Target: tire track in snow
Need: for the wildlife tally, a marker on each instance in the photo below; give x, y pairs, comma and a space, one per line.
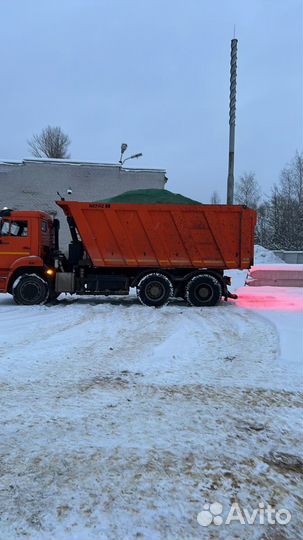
49, 328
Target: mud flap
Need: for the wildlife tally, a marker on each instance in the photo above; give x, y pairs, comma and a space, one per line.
232, 295
229, 295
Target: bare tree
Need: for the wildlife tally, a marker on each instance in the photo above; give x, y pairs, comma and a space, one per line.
291, 180
215, 198
248, 191
52, 142
285, 217
280, 216
264, 229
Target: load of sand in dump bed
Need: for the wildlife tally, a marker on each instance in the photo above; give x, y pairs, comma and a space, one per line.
149, 196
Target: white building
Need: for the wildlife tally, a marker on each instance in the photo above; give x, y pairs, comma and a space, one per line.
32, 184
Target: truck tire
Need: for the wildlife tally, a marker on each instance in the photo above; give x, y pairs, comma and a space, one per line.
203, 290
154, 290
30, 290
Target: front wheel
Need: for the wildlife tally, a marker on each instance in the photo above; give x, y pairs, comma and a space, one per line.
30, 290
203, 290
154, 290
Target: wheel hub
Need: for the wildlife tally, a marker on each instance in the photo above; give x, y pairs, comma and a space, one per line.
204, 292
155, 291
30, 291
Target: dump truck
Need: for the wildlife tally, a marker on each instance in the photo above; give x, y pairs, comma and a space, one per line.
161, 250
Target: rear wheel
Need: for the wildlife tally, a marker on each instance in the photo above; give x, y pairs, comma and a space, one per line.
30, 289
154, 290
203, 290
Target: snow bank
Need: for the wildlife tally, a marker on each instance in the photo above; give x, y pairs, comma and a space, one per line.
262, 256
265, 256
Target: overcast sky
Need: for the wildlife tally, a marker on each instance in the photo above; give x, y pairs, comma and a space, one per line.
155, 74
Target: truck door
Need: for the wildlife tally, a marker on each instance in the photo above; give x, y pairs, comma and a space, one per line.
14, 241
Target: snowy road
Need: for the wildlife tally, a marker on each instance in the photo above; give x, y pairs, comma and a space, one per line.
121, 421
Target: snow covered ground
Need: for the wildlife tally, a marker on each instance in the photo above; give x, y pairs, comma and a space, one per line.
122, 421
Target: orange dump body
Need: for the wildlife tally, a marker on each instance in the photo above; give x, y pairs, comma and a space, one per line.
165, 235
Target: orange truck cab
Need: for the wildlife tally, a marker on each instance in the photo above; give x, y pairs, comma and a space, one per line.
27, 246
163, 250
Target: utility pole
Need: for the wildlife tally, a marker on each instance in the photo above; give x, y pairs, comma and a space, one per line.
232, 120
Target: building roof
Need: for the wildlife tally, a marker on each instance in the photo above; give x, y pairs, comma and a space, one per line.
76, 163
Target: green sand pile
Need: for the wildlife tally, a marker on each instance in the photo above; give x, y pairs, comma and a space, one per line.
149, 196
